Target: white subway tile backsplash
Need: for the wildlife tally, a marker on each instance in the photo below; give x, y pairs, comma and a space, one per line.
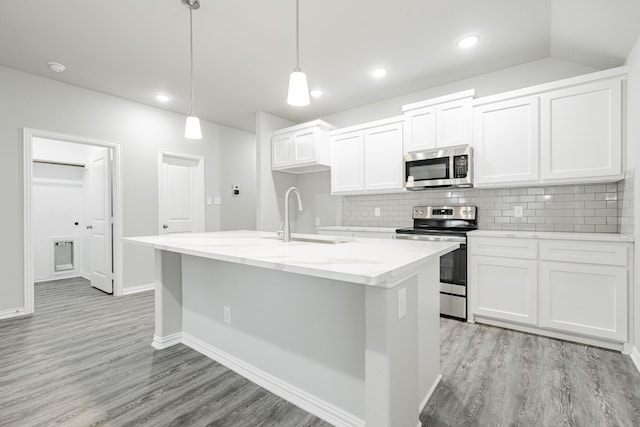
569, 208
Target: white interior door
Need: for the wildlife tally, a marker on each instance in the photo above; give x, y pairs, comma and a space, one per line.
181, 194
100, 227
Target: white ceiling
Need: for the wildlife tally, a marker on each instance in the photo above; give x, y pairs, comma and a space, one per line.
245, 49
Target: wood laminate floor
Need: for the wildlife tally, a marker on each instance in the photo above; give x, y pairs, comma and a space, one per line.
84, 359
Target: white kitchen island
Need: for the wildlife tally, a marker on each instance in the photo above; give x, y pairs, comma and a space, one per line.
347, 331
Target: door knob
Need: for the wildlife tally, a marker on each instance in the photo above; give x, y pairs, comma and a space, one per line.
165, 226
89, 227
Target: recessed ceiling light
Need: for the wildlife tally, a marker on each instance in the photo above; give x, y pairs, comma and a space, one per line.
378, 72
316, 93
56, 67
467, 41
162, 97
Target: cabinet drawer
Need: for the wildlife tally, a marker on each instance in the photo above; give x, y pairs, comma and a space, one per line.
503, 247
585, 252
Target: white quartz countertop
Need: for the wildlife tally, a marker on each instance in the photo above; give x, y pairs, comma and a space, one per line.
374, 262
356, 228
594, 237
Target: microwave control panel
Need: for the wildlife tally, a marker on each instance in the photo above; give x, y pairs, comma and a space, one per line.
461, 166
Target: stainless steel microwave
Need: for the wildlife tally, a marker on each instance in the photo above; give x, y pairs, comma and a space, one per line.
440, 167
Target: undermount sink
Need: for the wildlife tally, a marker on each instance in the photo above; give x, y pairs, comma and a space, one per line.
326, 240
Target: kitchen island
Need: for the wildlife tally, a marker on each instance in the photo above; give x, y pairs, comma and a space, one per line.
347, 331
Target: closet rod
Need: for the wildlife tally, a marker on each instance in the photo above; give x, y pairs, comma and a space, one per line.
50, 162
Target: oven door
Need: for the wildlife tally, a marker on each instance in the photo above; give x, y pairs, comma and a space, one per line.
453, 283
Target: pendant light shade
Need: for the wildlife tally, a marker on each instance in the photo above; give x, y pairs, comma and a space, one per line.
298, 87
192, 128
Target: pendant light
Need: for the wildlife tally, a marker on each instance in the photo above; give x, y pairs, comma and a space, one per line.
298, 87
192, 128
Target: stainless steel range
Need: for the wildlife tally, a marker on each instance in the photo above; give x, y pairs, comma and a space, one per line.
450, 224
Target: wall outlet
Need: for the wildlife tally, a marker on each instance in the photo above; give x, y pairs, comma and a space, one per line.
317, 221
402, 303
227, 314
517, 211
217, 200
209, 200
376, 211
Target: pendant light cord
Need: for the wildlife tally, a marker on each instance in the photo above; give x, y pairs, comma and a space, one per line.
297, 35
191, 55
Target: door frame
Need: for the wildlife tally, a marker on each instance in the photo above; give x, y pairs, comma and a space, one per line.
200, 190
116, 173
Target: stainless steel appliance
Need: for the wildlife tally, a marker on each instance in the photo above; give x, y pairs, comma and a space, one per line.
441, 167
449, 224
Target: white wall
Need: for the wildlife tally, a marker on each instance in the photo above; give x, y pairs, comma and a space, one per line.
238, 151
633, 162
318, 203
35, 102
57, 205
61, 197
271, 186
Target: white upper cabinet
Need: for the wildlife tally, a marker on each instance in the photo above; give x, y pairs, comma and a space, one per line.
505, 142
347, 153
302, 148
567, 132
581, 132
438, 122
367, 158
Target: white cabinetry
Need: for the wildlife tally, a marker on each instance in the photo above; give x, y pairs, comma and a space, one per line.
583, 288
302, 148
438, 122
504, 273
572, 289
505, 141
367, 158
573, 126
581, 132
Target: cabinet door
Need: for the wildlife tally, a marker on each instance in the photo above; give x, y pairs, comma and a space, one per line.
281, 151
453, 121
581, 132
505, 142
420, 129
503, 288
585, 299
304, 147
347, 163
383, 157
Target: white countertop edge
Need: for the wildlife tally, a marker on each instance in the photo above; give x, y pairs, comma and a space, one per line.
551, 235
388, 279
358, 228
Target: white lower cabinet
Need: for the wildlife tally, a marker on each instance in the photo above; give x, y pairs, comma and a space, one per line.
572, 289
505, 288
585, 299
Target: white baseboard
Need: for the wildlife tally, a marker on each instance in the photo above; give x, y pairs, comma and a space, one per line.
635, 357
160, 343
429, 393
312, 404
141, 288
12, 312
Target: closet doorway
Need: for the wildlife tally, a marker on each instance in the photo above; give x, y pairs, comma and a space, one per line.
72, 211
